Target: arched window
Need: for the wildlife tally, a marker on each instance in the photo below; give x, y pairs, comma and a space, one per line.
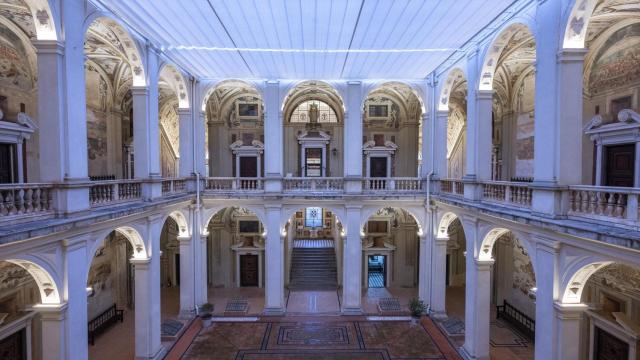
325, 113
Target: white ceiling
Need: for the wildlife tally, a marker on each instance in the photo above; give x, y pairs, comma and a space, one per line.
308, 39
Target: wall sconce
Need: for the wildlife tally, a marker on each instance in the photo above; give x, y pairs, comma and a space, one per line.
90, 291
334, 152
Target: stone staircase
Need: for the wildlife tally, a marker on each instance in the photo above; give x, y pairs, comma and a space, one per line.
313, 267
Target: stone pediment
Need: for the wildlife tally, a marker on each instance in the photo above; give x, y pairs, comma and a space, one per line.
256, 147
389, 147
314, 136
15, 132
627, 119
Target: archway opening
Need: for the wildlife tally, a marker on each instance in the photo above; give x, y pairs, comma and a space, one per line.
313, 131
390, 256
236, 262
454, 101
392, 116
172, 97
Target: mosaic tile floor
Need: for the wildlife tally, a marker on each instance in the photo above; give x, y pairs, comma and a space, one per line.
319, 339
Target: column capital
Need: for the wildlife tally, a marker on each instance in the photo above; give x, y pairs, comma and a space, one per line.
571, 55
441, 241
184, 111
484, 94
354, 82
569, 311
48, 46
51, 311
442, 114
483, 265
140, 264
139, 90
184, 239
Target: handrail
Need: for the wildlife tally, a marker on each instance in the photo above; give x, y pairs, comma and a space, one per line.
517, 318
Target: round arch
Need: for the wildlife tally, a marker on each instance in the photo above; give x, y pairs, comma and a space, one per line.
209, 213
212, 87
489, 239
41, 273
444, 222
176, 82
389, 84
496, 48
413, 212
180, 219
44, 19
452, 78
312, 90
132, 235
125, 44
576, 276
289, 211
577, 23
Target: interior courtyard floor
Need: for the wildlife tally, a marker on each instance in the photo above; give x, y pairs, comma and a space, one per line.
313, 329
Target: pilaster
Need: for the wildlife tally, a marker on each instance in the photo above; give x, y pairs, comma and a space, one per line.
353, 142
274, 258
352, 264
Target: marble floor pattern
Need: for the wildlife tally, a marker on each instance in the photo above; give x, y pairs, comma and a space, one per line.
316, 339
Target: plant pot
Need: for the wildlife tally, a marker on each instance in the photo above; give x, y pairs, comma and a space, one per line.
206, 320
415, 320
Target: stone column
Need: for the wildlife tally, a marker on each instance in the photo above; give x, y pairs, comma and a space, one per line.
547, 292
568, 342
477, 309
353, 138
62, 117
424, 269
352, 263
53, 319
441, 161
273, 140
274, 258
473, 74
202, 292
187, 277
201, 148
186, 142
439, 277
75, 294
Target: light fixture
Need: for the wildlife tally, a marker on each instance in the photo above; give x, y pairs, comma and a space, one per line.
334, 152
90, 291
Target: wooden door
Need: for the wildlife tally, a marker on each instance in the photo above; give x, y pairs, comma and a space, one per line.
14, 346
378, 167
248, 270
609, 347
6, 171
248, 166
619, 165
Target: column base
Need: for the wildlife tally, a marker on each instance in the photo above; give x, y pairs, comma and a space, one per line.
466, 356
352, 310
277, 311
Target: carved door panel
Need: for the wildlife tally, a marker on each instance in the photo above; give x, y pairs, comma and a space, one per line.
248, 270
619, 165
609, 347
6, 155
248, 166
13, 347
378, 167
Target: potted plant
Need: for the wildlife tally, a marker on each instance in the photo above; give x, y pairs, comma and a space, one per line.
416, 307
205, 311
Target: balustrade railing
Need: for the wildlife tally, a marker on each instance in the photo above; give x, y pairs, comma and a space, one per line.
174, 186
399, 184
293, 184
518, 194
25, 199
233, 184
604, 203
452, 186
107, 192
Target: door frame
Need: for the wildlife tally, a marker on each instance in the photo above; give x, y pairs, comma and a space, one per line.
260, 254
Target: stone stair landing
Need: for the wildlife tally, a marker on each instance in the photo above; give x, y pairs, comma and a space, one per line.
313, 265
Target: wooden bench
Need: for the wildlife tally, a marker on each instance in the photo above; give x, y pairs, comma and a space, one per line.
101, 322
525, 324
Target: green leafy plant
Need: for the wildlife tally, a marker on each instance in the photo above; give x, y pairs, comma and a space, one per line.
417, 307
206, 310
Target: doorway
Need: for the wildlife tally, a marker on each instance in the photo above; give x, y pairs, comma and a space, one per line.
248, 166
313, 162
377, 269
620, 165
378, 167
248, 270
6, 164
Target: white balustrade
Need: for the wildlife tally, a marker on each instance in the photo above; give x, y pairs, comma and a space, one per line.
293, 184
174, 186
108, 192
452, 186
25, 199
512, 193
400, 184
233, 184
604, 203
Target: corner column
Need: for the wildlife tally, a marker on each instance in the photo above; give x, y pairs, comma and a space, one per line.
477, 309
547, 292
441, 167
75, 294
439, 277
273, 143
186, 142
424, 269
567, 320
352, 264
353, 142
53, 320
274, 258
187, 277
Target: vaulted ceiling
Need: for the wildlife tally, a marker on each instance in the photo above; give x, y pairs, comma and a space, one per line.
302, 39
